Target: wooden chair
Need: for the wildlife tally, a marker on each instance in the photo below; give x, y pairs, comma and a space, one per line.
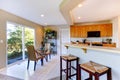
33, 55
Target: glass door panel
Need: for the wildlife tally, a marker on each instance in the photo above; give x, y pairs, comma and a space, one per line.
14, 42
29, 38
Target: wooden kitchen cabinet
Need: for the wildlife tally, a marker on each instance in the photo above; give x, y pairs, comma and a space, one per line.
83, 32
72, 29
109, 30
106, 30
80, 31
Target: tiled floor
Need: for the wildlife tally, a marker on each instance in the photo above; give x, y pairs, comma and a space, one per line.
49, 70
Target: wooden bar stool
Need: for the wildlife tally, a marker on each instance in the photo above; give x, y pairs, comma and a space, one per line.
68, 59
94, 69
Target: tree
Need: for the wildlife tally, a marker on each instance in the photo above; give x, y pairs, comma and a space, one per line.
15, 40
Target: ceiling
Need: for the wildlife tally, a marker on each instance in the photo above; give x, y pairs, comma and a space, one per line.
91, 10
96, 10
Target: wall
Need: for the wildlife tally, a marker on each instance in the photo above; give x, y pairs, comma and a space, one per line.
116, 30
4, 17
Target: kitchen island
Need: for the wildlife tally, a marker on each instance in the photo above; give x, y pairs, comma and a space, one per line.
103, 55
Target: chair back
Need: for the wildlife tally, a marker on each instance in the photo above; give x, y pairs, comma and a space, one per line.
47, 48
31, 52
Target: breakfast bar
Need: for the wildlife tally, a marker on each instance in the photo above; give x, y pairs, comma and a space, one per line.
107, 56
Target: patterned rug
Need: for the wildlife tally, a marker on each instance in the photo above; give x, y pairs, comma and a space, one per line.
5, 77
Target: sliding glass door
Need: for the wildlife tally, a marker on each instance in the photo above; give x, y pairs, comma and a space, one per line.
17, 37
28, 39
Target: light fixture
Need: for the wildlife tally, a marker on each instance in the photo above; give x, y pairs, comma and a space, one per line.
80, 5
42, 15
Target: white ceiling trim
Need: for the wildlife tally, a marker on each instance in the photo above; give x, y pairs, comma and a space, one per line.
66, 6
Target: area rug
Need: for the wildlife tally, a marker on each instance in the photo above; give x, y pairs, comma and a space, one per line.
6, 77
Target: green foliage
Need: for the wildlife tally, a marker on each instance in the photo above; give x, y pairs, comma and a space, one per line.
50, 34
14, 54
15, 41
29, 37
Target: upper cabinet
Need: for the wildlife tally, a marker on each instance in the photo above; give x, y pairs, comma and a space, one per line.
80, 31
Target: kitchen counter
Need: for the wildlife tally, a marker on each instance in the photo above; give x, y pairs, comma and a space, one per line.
107, 56
99, 48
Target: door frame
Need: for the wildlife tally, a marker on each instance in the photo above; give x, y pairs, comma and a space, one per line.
68, 28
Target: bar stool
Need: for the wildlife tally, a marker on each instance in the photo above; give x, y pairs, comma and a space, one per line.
68, 59
94, 69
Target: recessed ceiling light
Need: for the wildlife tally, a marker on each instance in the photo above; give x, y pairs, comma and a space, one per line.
42, 15
80, 5
79, 17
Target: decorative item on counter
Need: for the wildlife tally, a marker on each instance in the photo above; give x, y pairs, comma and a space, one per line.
109, 41
77, 41
84, 41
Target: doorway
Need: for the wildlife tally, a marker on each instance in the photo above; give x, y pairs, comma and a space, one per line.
65, 38
18, 36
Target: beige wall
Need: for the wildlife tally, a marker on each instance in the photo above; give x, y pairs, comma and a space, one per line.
4, 17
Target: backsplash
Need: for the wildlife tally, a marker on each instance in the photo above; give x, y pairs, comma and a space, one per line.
91, 39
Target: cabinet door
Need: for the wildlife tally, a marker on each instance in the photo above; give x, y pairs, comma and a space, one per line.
103, 31
109, 30
106, 30
72, 31
77, 31
83, 32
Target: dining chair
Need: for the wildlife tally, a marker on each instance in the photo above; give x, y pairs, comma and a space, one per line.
33, 55
48, 50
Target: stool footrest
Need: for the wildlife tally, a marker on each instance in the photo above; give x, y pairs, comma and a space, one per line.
65, 70
88, 79
69, 69
73, 68
72, 75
